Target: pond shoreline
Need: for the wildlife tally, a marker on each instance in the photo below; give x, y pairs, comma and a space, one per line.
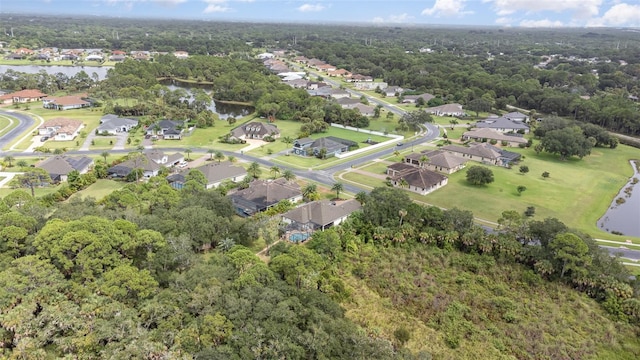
622, 217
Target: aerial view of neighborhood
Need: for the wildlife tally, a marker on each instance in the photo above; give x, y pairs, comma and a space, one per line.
241, 184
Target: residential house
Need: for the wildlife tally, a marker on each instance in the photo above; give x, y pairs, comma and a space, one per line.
447, 110
323, 147
94, 57
359, 78
319, 215
414, 178
503, 125
181, 54
486, 134
393, 91
65, 102
437, 160
263, 194
339, 93
24, 51
60, 166
166, 129
215, 173
484, 153
22, 96
61, 129
150, 162
117, 58
339, 73
346, 103
15, 56
301, 59
370, 85
265, 55
298, 83
517, 116
112, 124
315, 62
322, 91
255, 130
412, 99
366, 110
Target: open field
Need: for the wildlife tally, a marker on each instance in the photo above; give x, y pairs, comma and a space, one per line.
99, 189
578, 192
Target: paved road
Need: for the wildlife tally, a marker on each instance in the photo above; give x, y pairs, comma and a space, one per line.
24, 123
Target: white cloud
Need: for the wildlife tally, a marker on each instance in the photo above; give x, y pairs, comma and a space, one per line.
215, 6
447, 8
581, 8
311, 8
170, 2
504, 21
401, 18
621, 14
541, 23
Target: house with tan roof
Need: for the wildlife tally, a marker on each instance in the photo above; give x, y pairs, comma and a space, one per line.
255, 130
22, 96
484, 153
61, 129
339, 73
215, 173
181, 54
319, 215
412, 99
486, 134
65, 102
263, 194
414, 178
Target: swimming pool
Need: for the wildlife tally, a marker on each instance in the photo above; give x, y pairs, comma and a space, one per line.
298, 237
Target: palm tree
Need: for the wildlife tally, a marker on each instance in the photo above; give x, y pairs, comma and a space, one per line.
289, 175
309, 191
287, 140
9, 159
22, 163
218, 156
254, 170
232, 159
403, 183
188, 152
337, 187
453, 123
402, 213
275, 170
423, 160
396, 153
361, 197
211, 152
105, 155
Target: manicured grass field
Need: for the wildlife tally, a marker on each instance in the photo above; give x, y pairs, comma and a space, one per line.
102, 143
6, 125
41, 191
99, 189
578, 192
358, 178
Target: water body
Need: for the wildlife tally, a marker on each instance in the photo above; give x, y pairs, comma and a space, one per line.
224, 110
70, 71
623, 215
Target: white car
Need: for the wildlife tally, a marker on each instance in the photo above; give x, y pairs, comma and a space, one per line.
183, 164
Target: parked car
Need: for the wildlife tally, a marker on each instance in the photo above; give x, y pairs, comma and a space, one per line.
44, 138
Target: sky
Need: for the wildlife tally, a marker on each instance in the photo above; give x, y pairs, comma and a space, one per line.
508, 13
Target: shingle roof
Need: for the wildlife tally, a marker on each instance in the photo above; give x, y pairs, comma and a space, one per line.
322, 212
255, 127
64, 125
487, 133
63, 165
501, 123
483, 150
439, 158
216, 172
265, 193
417, 177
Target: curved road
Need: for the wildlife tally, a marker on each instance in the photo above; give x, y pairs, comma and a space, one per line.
24, 123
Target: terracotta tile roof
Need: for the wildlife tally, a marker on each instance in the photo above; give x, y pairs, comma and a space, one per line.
26, 93
63, 125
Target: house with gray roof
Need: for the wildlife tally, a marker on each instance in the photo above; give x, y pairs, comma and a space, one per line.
215, 173
366, 110
166, 129
503, 125
319, 215
414, 178
412, 99
255, 130
263, 194
329, 145
150, 162
516, 116
60, 166
112, 124
437, 160
484, 153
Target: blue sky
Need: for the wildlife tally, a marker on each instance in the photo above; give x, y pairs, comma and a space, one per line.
525, 13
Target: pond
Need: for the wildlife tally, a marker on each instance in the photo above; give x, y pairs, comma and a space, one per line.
223, 109
623, 215
70, 71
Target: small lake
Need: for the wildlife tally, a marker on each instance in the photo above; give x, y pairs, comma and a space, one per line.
623, 215
224, 110
70, 71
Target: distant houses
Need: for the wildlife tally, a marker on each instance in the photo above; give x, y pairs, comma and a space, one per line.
22, 96
66, 102
446, 110
412, 99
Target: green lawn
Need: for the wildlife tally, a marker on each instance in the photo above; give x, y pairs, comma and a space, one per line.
358, 178
41, 191
99, 189
578, 192
376, 168
5, 125
101, 142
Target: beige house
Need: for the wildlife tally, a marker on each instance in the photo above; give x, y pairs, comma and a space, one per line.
485, 134
437, 160
414, 178
61, 129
